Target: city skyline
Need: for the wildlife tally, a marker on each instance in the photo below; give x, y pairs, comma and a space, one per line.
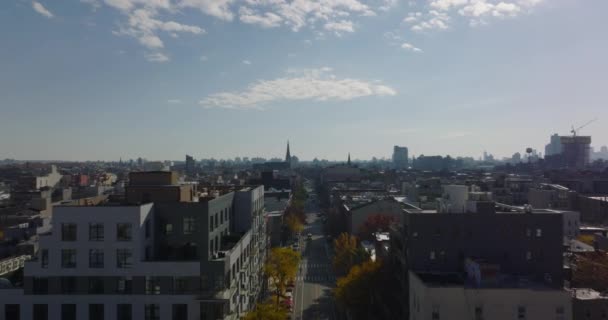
87, 80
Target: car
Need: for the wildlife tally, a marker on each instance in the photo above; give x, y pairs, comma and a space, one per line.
289, 289
309, 237
295, 246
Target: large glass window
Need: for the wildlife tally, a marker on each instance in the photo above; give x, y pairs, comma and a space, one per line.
68, 232
96, 285
44, 258
152, 312
180, 312
68, 258
96, 311
124, 232
41, 312
124, 258
40, 285
179, 285
189, 225
96, 258
152, 285
68, 312
68, 285
168, 229
124, 312
96, 232
124, 285
12, 311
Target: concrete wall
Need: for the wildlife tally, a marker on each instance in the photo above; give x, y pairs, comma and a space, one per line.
458, 302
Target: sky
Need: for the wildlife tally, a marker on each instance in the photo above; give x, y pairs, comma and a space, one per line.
158, 79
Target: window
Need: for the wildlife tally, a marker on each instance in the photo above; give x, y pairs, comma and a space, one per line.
95, 231
211, 223
528, 255
179, 285
222, 216
189, 226
68, 232
96, 311
44, 258
96, 285
41, 312
124, 258
40, 285
68, 312
12, 311
539, 233
68, 258
432, 255
211, 246
521, 313
478, 313
96, 258
124, 232
152, 312
68, 285
147, 229
180, 312
124, 312
152, 285
168, 229
435, 313
124, 285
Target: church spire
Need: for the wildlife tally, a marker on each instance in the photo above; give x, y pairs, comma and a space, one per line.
348, 163
288, 154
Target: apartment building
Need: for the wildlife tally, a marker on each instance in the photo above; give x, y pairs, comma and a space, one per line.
151, 261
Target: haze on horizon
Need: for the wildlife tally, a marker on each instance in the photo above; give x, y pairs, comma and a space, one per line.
110, 79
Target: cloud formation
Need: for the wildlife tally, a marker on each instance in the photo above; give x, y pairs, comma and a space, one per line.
156, 57
308, 84
410, 47
38, 7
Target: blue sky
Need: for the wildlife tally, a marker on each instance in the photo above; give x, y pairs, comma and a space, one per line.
103, 79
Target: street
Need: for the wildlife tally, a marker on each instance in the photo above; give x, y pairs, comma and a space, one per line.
313, 297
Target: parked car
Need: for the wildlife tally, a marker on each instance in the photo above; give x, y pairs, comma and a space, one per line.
309, 237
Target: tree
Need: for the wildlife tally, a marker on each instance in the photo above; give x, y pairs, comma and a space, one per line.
293, 223
267, 311
375, 223
353, 290
281, 267
347, 253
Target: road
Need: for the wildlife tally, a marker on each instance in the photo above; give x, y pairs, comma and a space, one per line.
313, 297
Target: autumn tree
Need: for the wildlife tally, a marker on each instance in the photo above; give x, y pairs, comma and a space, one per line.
267, 311
347, 253
375, 223
293, 223
281, 267
353, 291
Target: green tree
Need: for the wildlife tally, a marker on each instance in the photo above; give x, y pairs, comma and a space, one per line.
281, 267
353, 290
267, 311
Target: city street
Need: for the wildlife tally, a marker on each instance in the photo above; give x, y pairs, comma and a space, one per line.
313, 297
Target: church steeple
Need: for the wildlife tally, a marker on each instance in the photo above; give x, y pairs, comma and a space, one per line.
288, 154
348, 163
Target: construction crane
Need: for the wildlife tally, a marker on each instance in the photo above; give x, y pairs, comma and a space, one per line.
575, 131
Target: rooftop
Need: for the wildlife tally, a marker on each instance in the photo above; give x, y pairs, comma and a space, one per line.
587, 294
500, 281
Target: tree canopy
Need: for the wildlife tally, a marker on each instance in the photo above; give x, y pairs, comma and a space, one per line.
347, 253
281, 267
353, 290
375, 223
267, 311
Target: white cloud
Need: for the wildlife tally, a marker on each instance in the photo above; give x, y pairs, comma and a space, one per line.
247, 62
156, 57
174, 101
307, 84
266, 20
410, 47
38, 7
95, 4
340, 26
433, 20
143, 25
216, 8
204, 58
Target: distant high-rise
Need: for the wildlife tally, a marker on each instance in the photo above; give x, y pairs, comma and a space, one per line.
189, 165
554, 147
575, 151
400, 157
